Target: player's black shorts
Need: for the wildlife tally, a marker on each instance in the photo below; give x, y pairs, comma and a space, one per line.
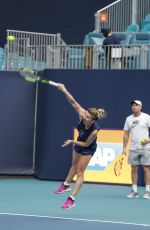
84, 151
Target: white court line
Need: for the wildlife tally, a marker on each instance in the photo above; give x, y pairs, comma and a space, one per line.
75, 219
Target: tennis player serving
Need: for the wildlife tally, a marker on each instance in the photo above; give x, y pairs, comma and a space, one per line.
84, 147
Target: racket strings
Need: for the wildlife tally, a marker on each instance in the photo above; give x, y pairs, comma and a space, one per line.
118, 167
33, 77
29, 75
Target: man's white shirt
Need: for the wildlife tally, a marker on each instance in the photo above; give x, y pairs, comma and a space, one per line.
139, 129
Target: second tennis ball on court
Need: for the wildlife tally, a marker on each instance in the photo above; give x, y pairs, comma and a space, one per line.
11, 38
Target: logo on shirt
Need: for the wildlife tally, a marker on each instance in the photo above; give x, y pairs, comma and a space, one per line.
135, 123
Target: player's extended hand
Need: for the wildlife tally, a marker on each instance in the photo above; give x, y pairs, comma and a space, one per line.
68, 142
62, 88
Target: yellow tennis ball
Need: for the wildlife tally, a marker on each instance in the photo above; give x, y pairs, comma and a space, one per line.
143, 141
11, 38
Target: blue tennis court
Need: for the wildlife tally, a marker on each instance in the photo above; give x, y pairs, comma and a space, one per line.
28, 203
65, 66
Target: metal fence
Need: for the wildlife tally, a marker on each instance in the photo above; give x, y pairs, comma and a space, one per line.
19, 55
99, 57
37, 38
23, 52
29, 49
122, 13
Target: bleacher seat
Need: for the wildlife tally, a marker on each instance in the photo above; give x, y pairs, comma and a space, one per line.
141, 38
124, 37
146, 28
147, 17
144, 23
133, 28
98, 38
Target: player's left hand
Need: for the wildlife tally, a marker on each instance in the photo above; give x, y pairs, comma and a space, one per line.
68, 142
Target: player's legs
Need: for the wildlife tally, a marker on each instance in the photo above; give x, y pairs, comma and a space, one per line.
147, 181
134, 161
145, 161
73, 170
134, 178
82, 164
65, 187
134, 174
146, 174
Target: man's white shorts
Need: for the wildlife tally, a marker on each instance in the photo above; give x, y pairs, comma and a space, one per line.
139, 157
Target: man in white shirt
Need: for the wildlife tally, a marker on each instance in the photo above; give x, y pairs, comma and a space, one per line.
137, 126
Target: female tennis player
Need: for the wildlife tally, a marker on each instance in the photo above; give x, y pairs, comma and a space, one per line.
84, 147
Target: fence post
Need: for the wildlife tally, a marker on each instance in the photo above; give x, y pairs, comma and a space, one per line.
6, 56
143, 57
97, 22
134, 11
58, 41
58, 50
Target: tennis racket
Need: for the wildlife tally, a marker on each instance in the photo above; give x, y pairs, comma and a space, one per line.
33, 77
118, 167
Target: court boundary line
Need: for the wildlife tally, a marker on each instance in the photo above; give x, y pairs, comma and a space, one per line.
75, 219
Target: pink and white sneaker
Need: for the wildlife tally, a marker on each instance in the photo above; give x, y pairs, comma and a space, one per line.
69, 203
62, 188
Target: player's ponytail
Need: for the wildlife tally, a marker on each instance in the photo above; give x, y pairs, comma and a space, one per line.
97, 113
101, 113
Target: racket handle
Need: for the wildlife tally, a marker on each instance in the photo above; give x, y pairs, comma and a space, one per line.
50, 83
53, 83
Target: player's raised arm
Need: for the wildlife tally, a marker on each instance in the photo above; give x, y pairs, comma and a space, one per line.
72, 101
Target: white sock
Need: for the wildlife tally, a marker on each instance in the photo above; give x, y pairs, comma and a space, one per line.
72, 197
147, 188
134, 187
66, 183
